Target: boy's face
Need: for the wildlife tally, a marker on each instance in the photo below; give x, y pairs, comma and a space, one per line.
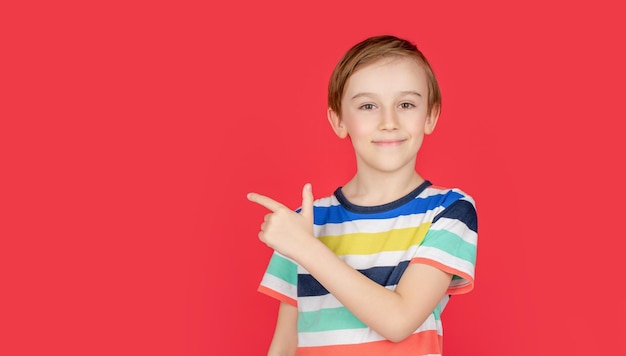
384, 112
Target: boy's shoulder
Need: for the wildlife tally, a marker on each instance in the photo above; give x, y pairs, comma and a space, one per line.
455, 204
447, 194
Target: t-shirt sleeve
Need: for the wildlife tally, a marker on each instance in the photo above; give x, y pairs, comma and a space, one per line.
450, 244
280, 280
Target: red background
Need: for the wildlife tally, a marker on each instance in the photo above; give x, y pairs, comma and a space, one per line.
131, 132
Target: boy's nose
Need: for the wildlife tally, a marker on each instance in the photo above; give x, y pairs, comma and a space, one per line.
389, 120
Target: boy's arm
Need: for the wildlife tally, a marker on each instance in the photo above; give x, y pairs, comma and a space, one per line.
285, 338
393, 314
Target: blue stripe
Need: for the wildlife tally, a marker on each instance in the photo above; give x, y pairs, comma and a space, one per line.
461, 210
308, 286
338, 214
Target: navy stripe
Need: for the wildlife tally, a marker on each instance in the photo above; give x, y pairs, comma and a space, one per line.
308, 286
380, 208
461, 210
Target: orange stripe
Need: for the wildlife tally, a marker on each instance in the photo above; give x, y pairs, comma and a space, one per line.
423, 343
272, 293
452, 290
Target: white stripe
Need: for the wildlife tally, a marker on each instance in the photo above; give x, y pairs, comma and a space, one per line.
326, 202
430, 191
309, 304
381, 259
457, 282
338, 337
279, 286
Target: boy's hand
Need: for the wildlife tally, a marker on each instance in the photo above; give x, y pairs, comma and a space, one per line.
283, 229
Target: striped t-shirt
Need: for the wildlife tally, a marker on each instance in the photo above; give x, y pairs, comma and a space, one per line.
430, 225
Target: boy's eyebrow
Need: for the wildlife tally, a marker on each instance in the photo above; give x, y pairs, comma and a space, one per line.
405, 92
357, 95
411, 92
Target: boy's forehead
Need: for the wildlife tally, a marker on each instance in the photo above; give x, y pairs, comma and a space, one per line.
399, 73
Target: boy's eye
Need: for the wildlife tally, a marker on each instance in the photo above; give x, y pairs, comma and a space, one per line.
406, 105
367, 107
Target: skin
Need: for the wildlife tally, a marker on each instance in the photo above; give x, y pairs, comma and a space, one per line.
384, 114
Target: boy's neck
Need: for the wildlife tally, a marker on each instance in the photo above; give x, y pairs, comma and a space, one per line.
368, 190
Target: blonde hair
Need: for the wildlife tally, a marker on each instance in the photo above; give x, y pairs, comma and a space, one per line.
371, 50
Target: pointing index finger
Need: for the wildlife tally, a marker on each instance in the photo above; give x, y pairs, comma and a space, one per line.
267, 202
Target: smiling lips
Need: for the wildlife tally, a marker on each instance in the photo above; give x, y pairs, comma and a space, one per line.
389, 142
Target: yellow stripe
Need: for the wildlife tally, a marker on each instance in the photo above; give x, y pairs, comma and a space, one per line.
370, 243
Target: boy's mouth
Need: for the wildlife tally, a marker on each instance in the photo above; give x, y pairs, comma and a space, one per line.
392, 142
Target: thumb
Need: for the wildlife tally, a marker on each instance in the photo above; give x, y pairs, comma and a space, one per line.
307, 202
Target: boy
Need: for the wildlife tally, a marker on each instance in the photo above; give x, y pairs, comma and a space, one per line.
368, 270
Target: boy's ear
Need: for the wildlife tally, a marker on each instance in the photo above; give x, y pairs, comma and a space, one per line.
431, 120
337, 124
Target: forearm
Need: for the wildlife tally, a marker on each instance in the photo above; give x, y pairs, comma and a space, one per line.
368, 301
285, 339
390, 314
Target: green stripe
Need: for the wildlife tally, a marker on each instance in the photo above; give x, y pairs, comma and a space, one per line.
452, 244
328, 319
284, 269
437, 312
